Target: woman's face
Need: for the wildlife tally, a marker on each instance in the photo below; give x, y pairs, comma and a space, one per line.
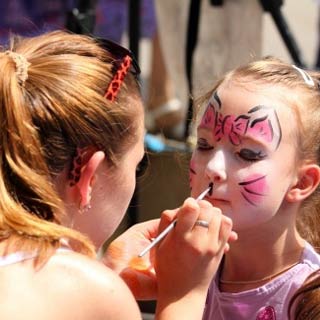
112, 191
246, 148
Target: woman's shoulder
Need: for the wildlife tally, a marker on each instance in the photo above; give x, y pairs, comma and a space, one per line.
68, 286
89, 286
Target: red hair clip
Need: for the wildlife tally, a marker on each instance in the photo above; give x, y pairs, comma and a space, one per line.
118, 78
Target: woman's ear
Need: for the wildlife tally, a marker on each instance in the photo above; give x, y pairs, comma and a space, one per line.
308, 181
86, 180
86, 164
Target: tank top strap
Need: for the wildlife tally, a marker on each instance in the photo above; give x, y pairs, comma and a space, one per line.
16, 257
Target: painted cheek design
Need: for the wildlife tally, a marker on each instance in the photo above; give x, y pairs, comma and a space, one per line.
254, 189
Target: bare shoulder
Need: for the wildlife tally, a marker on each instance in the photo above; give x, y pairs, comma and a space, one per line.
85, 289
92, 286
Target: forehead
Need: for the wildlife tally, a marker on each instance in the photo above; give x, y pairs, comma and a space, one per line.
240, 97
253, 102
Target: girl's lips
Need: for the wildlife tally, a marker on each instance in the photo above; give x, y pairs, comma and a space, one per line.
214, 200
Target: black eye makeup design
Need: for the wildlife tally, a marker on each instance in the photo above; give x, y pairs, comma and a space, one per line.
202, 145
251, 155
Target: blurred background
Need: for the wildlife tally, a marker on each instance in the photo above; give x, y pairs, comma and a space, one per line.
183, 47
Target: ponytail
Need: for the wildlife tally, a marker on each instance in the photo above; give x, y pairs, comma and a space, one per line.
30, 208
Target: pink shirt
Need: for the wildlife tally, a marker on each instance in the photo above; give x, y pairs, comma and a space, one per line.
268, 302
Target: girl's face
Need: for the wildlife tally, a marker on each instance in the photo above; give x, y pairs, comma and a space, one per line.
246, 148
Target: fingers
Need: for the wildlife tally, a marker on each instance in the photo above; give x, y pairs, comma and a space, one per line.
187, 216
148, 228
167, 217
233, 236
203, 223
224, 234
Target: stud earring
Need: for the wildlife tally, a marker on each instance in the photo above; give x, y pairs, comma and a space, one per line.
84, 209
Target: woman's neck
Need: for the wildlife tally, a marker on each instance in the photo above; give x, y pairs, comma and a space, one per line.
255, 259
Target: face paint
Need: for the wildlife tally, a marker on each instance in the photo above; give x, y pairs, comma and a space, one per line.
254, 189
240, 148
261, 122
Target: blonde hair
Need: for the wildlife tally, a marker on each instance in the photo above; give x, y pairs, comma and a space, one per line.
304, 99
57, 108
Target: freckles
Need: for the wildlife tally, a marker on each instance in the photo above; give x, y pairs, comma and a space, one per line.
254, 189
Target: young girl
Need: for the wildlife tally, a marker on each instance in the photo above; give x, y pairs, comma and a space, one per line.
258, 144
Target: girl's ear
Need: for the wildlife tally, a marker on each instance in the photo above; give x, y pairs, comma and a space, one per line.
87, 168
308, 181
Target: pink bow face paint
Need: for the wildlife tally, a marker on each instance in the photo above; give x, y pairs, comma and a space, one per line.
260, 122
240, 149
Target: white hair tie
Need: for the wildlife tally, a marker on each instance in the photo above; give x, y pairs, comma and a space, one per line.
21, 66
306, 77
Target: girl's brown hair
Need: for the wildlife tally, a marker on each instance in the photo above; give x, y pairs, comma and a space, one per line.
59, 107
305, 303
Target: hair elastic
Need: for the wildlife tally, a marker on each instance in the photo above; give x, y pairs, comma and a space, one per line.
306, 77
21, 66
118, 78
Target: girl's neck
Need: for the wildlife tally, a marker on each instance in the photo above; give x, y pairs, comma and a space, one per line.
253, 262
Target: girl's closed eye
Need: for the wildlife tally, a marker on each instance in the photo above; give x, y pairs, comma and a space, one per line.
251, 155
202, 145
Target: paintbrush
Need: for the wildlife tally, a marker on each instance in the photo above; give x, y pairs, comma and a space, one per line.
169, 227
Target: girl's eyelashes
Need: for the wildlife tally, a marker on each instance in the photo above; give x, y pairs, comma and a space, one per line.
250, 155
245, 154
202, 144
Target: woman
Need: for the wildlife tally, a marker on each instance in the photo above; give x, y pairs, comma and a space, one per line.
71, 139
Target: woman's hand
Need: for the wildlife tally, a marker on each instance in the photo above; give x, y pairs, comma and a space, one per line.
122, 257
188, 257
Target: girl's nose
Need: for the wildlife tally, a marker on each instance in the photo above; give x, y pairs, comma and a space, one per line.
216, 167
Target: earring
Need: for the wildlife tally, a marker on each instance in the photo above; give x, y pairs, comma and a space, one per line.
85, 208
